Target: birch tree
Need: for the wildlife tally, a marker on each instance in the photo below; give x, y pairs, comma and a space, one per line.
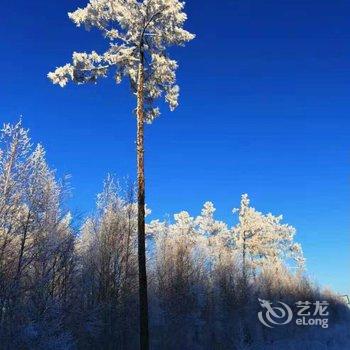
139, 33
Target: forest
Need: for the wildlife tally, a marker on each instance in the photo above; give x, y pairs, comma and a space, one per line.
64, 286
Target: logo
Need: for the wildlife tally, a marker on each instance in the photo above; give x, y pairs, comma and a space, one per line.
274, 315
282, 314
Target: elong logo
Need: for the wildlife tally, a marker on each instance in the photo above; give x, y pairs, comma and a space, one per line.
282, 314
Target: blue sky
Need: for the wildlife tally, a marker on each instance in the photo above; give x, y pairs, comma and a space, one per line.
264, 109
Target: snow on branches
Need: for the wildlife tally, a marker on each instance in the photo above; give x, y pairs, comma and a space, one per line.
261, 238
134, 30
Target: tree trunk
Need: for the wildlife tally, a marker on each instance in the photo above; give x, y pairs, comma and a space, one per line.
244, 262
144, 337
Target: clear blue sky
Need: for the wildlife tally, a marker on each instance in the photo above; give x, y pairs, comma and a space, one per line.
264, 109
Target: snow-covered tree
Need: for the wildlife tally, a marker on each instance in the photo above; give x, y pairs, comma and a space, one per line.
106, 249
263, 238
203, 231
36, 241
139, 33
213, 233
198, 264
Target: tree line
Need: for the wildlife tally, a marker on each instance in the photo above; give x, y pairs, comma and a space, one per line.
63, 287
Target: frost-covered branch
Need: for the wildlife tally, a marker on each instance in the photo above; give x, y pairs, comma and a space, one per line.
131, 27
